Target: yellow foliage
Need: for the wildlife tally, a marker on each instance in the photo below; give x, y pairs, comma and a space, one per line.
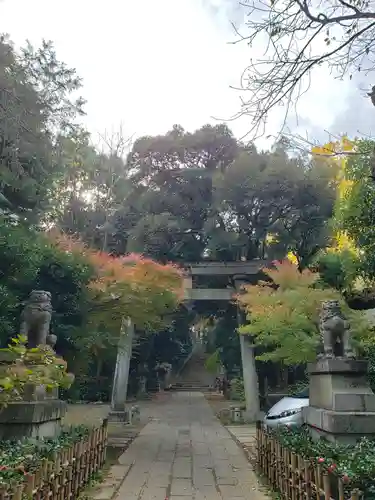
343, 242
291, 256
333, 151
334, 148
344, 187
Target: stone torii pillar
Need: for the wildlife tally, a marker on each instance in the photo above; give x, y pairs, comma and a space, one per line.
250, 376
121, 376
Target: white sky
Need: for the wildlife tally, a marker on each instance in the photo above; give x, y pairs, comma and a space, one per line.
149, 64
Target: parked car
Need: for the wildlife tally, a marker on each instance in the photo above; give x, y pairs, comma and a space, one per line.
287, 411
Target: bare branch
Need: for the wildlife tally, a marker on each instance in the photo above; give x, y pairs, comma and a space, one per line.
299, 36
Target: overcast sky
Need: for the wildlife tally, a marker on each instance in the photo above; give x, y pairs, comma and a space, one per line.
149, 64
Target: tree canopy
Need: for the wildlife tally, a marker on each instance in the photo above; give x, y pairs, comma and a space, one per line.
285, 320
35, 103
201, 199
355, 214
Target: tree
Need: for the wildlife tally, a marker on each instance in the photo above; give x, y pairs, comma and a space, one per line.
300, 36
183, 196
130, 286
35, 104
306, 228
269, 193
285, 320
355, 211
172, 192
91, 187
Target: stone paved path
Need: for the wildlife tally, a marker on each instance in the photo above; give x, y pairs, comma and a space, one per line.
185, 453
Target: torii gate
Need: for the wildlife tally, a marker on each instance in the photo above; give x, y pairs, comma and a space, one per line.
238, 271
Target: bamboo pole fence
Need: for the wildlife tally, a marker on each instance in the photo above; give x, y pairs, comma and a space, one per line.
66, 475
293, 476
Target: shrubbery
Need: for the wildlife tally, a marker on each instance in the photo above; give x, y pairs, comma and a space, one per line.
26, 368
18, 458
29, 261
89, 389
237, 390
354, 464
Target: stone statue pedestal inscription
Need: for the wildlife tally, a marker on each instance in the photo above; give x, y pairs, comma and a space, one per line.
37, 415
342, 405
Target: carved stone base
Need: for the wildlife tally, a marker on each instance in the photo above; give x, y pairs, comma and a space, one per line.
342, 405
129, 415
344, 427
32, 419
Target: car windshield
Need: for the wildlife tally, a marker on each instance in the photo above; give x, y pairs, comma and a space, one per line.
304, 394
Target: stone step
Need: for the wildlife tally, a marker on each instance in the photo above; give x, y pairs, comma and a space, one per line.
191, 382
191, 386
192, 389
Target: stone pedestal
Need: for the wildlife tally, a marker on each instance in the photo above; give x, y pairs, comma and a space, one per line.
342, 405
32, 419
38, 415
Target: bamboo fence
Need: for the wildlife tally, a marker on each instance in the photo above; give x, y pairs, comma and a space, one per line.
294, 477
63, 477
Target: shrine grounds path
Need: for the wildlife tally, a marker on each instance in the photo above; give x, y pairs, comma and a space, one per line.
184, 453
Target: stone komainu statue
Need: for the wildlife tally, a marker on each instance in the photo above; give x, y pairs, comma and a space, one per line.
334, 331
36, 319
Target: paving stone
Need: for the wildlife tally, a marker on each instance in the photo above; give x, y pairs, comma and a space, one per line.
181, 472
209, 493
104, 493
230, 491
181, 487
203, 478
182, 461
185, 453
203, 461
118, 471
154, 493
180, 498
158, 481
226, 481
163, 468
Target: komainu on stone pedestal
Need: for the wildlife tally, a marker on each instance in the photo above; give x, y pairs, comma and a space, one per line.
341, 402
38, 412
36, 319
334, 332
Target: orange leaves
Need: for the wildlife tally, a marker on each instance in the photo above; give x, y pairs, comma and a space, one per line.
124, 274
286, 275
150, 273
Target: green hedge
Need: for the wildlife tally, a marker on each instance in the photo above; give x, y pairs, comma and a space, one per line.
18, 458
355, 464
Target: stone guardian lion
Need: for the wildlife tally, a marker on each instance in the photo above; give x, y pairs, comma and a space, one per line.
36, 319
334, 331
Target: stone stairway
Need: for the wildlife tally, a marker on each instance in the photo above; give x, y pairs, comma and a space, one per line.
194, 375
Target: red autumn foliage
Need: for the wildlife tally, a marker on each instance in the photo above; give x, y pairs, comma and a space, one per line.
141, 282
